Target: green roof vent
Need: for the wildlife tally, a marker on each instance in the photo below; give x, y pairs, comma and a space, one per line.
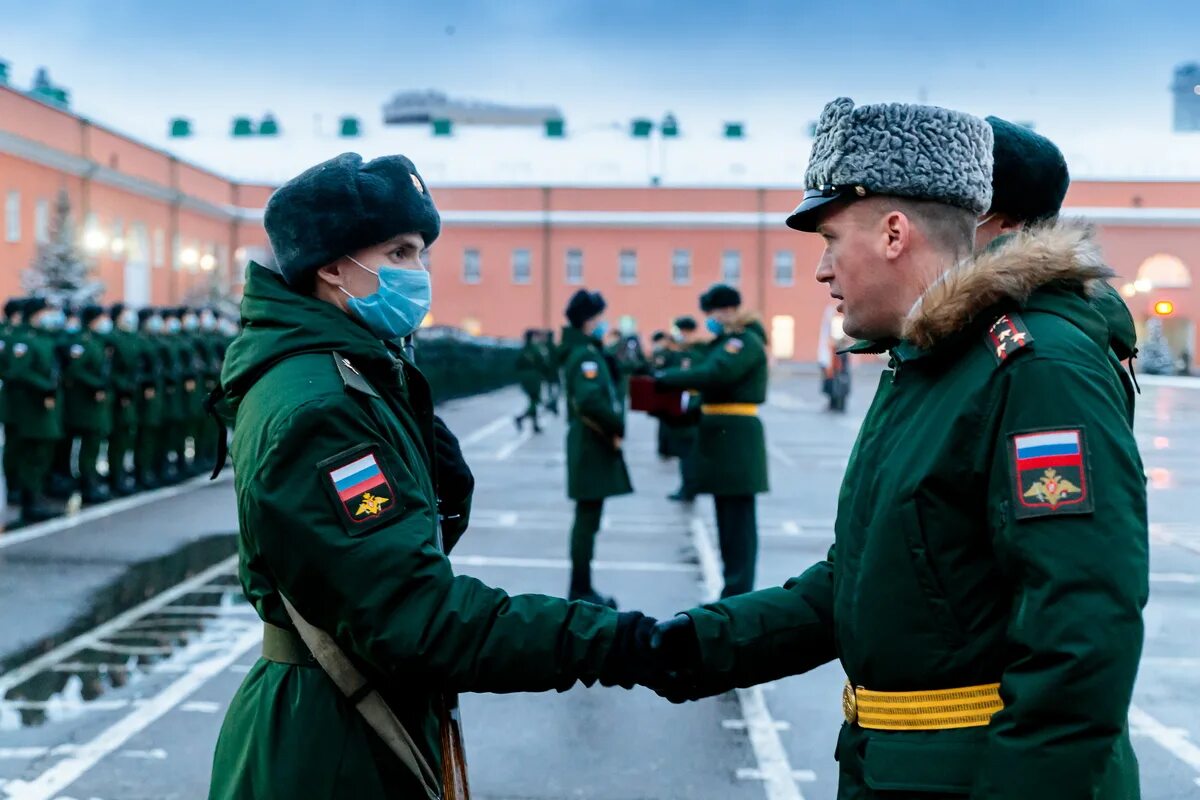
443, 127
268, 126
670, 127
350, 128
642, 128
555, 128
735, 130
181, 128
243, 126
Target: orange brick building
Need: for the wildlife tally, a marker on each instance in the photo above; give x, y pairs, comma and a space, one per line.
161, 230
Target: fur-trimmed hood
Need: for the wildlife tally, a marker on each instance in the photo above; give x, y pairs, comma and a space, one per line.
747, 320
1011, 270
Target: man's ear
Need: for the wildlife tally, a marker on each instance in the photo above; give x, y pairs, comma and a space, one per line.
331, 274
897, 234
1009, 225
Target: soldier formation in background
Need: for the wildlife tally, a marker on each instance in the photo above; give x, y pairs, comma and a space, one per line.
104, 401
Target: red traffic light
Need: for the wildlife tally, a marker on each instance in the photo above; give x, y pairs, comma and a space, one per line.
1164, 308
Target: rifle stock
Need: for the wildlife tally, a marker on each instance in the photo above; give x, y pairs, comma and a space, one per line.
454, 755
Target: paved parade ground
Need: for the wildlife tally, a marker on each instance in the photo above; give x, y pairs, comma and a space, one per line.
123, 633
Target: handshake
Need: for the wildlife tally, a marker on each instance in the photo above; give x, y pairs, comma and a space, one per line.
662, 656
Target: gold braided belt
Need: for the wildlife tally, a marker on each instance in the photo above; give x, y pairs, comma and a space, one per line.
730, 409
936, 709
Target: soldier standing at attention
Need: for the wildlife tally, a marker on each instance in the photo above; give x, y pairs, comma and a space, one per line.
127, 392
62, 480
682, 431
550, 376
14, 327
731, 448
148, 455
985, 589
87, 381
529, 374
342, 474
595, 432
35, 404
662, 356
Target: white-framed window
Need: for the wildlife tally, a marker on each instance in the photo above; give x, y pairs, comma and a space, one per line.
41, 221
627, 267
12, 217
785, 268
521, 270
574, 267
116, 240
160, 247
472, 269
731, 267
681, 267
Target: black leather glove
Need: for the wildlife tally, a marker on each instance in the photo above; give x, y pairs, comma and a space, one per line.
675, 648
455, 481
630, 662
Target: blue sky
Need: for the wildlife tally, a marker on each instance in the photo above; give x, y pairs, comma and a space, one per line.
133, 63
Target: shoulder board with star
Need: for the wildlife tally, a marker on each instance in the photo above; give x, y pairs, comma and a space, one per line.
1006, 337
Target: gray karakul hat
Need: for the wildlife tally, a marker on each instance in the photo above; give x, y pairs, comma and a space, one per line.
343, 205
895, 149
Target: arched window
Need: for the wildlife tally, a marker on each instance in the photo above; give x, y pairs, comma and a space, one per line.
1163, 271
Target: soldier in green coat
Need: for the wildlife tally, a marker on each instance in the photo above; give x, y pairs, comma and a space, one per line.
127, 395
342, 474
148, 457
87, 390
63, 479
205, 342
595, 432
529, 375
682, 432
985, 589
13, 327
731, 448
35, 404
177, 377
550, 376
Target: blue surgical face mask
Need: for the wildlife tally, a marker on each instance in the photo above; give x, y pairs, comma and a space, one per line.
173, 325
600, 329
73, 326
53, 320
191, 324
104, 326
154, 324
398, 306
714, 326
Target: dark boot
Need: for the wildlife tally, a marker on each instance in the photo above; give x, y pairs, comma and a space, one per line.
520, 423
60, 486
121, 484
147, 481
34, 508
93, 493
581, 588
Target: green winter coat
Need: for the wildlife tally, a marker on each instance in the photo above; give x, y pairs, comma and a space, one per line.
957, 563
126, 377
530, 370
151, 403
731, 449
372, 575
680, 433
595, 419
34, 393
87, 386
173, 356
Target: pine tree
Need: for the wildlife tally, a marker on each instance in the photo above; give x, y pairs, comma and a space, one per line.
1155, 354
60, 271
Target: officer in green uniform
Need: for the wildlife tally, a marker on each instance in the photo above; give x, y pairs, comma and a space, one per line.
35, 404
529, 375
661, 354
151, 407
204, 431
88, 395
682, 431
550, 377
176, 377
194, 363
62, 480
990, 547
731, 448
126, 376
342, 473
13, 327
595, 433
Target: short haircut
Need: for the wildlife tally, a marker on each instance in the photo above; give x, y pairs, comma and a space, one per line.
948, 228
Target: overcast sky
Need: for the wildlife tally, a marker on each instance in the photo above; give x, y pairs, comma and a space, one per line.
1067, 66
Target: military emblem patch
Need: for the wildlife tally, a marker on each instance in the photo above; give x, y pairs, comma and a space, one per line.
1050, 473
734, 346
359, 488
590, 370
417, 183
20, 349
1006, 336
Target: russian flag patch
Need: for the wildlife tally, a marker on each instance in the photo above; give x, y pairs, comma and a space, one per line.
1050, 473
360, 488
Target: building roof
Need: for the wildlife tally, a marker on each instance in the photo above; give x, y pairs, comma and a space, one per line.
608, 155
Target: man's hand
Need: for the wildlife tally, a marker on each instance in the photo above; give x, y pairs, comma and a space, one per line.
676, 652
455, 481
630, 662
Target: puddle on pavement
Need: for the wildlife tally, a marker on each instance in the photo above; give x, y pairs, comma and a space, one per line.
79, 680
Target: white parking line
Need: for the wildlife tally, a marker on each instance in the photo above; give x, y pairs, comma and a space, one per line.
105, 510
478, 435
1174, 577
1173, 740
780, 456
774, 769
508, 448
65, 772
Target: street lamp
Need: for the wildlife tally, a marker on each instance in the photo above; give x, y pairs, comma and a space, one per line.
118, 246
188, 257
1142, 285
94, 240
207, 262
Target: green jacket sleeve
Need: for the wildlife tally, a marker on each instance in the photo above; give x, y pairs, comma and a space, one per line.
387, 594
1080, 578
765, 635
590, 387
723, 366
39, 368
